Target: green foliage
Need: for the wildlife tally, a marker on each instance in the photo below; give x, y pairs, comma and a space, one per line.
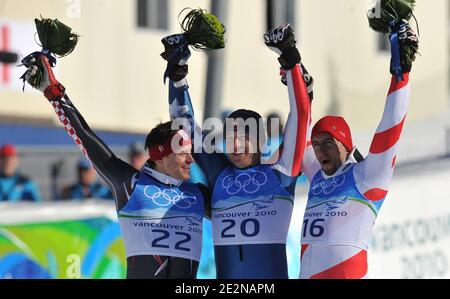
203, 30
56, 37
391, 10
394, 11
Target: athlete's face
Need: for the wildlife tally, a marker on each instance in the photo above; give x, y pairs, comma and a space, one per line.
330, 152
8, 165
178, 165
241, 151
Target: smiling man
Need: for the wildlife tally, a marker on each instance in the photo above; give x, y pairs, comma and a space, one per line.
160, 213
252, 202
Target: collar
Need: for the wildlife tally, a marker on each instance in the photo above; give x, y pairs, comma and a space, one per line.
14, 176
159, 176
344, 167
245, 168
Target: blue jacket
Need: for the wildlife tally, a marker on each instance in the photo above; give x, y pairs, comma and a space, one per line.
96, 190
18, 187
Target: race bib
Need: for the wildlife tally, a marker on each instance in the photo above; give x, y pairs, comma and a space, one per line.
179, 237
250, 207
337, 213
163, 220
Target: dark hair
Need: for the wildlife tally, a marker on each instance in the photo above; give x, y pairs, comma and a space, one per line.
158, 135
245, 115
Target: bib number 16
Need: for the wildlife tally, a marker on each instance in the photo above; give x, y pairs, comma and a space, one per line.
315, 228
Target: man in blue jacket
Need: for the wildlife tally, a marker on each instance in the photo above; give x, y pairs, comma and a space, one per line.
86, 186
13, 185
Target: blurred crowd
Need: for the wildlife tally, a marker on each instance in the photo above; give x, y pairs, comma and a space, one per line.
17, 186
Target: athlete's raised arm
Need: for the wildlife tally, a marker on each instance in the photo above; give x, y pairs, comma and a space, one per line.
282, 41
374, 174
112, 169
181, 108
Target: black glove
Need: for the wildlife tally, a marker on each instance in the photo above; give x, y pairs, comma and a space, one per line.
409, 46
178, 72
40, 75
281, 40
176, 53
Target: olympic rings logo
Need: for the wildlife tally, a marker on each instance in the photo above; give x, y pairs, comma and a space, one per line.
327, 186
249, 183
166, 197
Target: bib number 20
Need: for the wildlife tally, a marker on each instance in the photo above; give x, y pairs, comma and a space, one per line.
248, 227
315, 228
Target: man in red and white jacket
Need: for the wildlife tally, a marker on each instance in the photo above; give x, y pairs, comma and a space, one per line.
347, 191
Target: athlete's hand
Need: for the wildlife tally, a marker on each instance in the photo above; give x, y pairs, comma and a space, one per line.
409, 45
176, 53
281, 40
52, 89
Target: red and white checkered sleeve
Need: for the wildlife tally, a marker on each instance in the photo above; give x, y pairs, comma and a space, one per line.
68, 126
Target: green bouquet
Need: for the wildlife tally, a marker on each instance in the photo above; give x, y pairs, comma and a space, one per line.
389, 16
56, 39
203, 30
386, 11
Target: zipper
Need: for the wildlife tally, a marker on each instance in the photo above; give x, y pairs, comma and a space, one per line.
241, 253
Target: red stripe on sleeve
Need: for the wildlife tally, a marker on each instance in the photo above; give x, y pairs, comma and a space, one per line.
385, 140
395, 85
352, 268
393, 161
304, 247
158, 259
303, 106
375, 194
